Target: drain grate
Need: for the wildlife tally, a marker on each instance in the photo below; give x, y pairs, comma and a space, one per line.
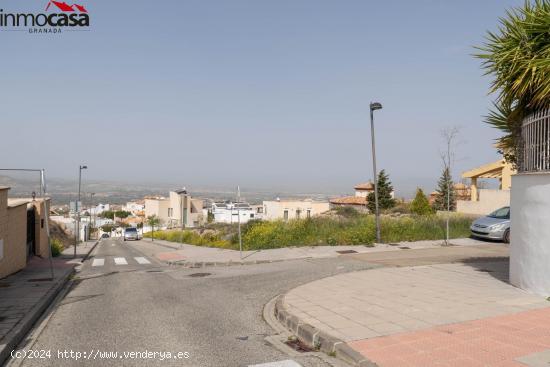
347, 252
404, 248
199, 275
298, 346
155, 271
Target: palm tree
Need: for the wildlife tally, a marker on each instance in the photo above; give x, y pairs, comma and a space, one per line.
518, 58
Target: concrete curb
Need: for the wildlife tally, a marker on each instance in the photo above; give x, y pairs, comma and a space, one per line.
203, 264
22, 328
89, 252
317, 339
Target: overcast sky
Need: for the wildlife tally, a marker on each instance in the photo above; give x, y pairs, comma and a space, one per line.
265, 94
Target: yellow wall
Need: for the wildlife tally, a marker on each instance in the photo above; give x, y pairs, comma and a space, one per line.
13, 235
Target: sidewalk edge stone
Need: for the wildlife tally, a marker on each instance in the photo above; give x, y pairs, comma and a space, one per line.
319, 340
18, 333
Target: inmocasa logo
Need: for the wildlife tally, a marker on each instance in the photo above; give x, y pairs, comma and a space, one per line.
60, 16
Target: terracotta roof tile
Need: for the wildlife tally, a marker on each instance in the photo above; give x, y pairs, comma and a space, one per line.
364, 186
349, 200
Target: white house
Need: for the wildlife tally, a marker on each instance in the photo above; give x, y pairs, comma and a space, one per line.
229, 212
134, 207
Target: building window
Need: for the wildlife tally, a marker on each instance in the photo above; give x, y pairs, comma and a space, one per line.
285, 215
251, 215
170, 212
298, 213
308, 213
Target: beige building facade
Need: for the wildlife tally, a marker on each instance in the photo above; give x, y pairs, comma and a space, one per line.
484, 201
179, 208
293, 209
23, 231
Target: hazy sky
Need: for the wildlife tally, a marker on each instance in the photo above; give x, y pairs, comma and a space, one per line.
261, 93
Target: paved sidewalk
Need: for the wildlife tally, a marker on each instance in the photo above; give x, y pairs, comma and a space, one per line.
25, 295
184, 254
432, 315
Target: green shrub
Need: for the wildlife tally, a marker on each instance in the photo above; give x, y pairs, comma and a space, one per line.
56, 246
346, 211
334, 231
420, 205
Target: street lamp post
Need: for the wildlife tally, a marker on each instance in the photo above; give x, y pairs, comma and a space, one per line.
92, 213
77, 234
239, 219
373, 107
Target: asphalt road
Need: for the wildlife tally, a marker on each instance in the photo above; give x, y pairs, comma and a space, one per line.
124, 301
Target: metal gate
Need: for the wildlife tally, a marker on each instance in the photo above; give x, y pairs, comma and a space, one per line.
31, 232
535, 155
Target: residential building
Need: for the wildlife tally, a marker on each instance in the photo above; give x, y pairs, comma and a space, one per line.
135, 207
293, 209
484, 201
357, 201
22, 231
98, 209
176, 210
230, 212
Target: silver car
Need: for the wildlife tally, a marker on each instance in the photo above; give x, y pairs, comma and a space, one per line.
495, 226
131, 234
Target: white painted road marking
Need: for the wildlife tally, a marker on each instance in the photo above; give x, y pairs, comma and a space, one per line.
142, 260
285, 363
120, 261
98, 262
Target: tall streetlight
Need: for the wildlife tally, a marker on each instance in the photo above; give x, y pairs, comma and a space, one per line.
77, 234
92, 214
373, 107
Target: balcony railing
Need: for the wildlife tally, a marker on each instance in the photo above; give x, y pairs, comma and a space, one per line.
535, 155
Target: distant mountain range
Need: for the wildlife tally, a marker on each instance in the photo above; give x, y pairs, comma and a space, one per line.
62, 191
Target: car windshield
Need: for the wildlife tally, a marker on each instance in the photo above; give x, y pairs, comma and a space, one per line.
502, 213
131, 230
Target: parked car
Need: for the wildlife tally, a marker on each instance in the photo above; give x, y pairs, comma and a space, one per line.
495, 226
105, 235
131, 233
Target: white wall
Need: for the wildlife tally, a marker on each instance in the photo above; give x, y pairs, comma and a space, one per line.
530, 233
489, 201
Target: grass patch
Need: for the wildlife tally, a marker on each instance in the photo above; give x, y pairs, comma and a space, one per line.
351, 229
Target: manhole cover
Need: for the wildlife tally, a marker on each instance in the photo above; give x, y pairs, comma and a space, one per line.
298, 346
242, 337
347, 252
39, 280
199, 275
155, 271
